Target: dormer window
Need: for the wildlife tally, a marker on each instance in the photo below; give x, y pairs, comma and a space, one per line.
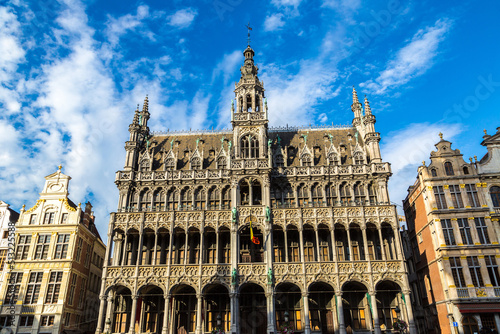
221, 163
196, 163
358, 159
169, 163
257, 103
249, 103
448, 168
279, 161
465, 170
433, 172
333, 159
49, 218
306, 160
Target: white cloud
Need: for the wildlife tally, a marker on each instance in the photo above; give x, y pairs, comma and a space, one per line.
118, 27
182, 18
228, 65
405, 149
286, 3
274, 22
11, 56
412, 60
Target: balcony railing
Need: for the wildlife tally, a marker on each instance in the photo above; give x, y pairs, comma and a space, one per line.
474, 292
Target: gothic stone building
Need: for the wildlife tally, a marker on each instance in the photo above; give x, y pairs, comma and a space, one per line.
243, 229
52, 284
452, 212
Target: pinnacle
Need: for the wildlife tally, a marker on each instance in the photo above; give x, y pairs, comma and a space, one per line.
354, 96
145, 107
368, 110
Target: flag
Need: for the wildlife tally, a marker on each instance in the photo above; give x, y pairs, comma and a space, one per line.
255, 240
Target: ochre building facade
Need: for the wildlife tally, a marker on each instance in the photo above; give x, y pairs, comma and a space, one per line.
452, 213
52, 283
247, 228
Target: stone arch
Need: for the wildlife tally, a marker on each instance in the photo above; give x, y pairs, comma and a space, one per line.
355, 304
322, 306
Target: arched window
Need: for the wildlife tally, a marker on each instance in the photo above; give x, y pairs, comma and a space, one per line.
372, 196
465, 170
495, 196
448, 168
331, 195
317, 194
226, 197
169, 163
213, 198
345, 194
306, 160
196, 163
470, 325
199, 199
433, 172
158, 200
240, 102
288, 197
359, 193
146, 198
186, 199
134, 200
172, 199
221, 163
276, 196
302, 194
249, 103
249, 147
257, 103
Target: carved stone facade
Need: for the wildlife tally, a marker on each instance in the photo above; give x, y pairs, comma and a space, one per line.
52, 284
246, 228
453, 248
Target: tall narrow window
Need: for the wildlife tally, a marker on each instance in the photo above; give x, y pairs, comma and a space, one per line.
62, 246
433, 172
64, 218
254, 147
213, 198
495, 196
371, 194
482, 231
172, 199
475, 271
331, 195
465, 233
42, 247
449, 237
79, 245
222, 163
492, 266
226, 198
345, 194
472, 195
359, 194
23, 246
440, 199
456, 196
448, 167
457, 272
14, 284
358, 159
72, 289
169, 163
279, 161
196, 163
302, 195
33, 219
54, 287
3, 254
49, 218
33, 289
317, 194
159, 200
199, 199
81, 298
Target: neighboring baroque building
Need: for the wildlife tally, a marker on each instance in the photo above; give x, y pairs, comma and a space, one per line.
452, 213
8, 218
246, 227
54, 284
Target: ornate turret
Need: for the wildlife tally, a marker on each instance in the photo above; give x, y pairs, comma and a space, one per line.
138, 132
356, 106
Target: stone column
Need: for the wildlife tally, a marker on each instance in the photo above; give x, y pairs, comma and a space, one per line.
164, 329
340, 308
109, 311
307, 326
217, 250
334, 245
124, 260
398, 245
382, 249
198, 314
317, 243
154, 249
202, 240
133, 314
349, 243
139, 248
301, 241
101, 316
118, 250
234, 312
365, 243
286, 244
270, 311
186, 247
409, 311
376, 320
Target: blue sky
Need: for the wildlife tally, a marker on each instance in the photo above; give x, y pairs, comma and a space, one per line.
72, 72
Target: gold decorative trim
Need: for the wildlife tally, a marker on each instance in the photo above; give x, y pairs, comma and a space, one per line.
462, 185
446, 186
453, 218
37, 204
451, 207
66, 204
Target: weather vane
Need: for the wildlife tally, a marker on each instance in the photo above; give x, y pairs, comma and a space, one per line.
249, 28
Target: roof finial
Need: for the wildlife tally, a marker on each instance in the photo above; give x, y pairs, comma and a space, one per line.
441, 135
368, 110
59, 167
249, 29
354, 95
145, 107
423, 163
